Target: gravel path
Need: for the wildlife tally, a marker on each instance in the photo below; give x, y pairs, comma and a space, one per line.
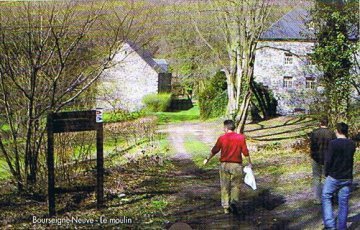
177, 133
198, 199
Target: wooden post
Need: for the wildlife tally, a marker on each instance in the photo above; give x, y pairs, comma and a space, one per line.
50, 165
76, 121
100, 165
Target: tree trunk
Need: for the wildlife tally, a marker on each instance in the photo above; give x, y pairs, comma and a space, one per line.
16, 174
232, 106
243, 111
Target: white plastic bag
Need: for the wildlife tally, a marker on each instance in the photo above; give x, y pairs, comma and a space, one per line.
249, 177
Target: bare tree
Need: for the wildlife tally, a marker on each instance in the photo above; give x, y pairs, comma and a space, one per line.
50, 54
240, 24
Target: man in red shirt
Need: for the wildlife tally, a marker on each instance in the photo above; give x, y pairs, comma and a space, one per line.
232, 146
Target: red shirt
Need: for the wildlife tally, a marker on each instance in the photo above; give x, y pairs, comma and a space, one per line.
231, 145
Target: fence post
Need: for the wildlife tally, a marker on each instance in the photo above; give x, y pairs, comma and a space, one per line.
100, 165
50, 165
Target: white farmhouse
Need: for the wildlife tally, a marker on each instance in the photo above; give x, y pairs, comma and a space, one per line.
283, 64
134, 74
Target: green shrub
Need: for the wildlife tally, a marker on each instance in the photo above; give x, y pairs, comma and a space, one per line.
157, 102
122, 115
354, 119
213, 100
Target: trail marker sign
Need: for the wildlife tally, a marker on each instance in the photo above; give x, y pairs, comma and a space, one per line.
75, 122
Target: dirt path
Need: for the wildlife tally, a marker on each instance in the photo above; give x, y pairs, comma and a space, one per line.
197, 201
177, 134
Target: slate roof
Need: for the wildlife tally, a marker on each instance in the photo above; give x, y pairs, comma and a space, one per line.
146, 56
293, 26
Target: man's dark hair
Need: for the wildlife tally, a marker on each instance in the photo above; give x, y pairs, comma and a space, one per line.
324, 121
230, 124
342, 128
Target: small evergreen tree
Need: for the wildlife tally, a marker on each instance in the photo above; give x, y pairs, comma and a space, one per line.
213, 99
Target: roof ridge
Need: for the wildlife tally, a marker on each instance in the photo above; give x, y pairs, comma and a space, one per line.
145, 55
294, 26
289, 26
282, 17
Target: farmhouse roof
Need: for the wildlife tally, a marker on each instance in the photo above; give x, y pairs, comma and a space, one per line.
147, 57
294, 26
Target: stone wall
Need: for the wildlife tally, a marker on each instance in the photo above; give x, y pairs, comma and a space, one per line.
124, 85
270, 69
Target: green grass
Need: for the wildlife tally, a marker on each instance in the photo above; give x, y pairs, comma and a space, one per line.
164, 146
159, 146
192, 114
159, 205
4, 171
279, 131
199, 151
357, 156
5, 127
286, 169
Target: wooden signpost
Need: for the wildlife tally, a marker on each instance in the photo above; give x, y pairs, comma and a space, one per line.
74, 122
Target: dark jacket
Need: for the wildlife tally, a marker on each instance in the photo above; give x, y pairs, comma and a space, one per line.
339, 159
319, 142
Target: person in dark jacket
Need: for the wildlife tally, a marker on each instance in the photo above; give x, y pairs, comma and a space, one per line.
339, 162
319, 142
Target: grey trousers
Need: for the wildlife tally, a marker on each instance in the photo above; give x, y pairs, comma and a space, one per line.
318, 178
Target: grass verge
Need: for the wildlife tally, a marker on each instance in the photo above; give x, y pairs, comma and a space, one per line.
199, 151
192, 114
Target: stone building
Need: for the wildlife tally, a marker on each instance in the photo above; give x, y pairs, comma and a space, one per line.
134, 74
283, 63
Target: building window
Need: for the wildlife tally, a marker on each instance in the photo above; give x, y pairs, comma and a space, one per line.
289, 59
310, 83
288, 82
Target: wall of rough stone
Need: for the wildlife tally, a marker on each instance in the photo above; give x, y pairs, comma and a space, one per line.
124, 85
270, 69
